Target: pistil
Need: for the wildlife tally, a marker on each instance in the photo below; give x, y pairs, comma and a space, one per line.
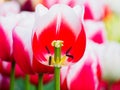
57, 44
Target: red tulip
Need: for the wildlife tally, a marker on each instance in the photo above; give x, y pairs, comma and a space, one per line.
84, 74
22, 48
6, 27
60, 24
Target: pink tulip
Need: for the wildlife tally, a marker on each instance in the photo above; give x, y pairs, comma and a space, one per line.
7, 8
6, 27
95, 30
94, 9
5, 69
4, 83
22, 48
84, 75
63, 24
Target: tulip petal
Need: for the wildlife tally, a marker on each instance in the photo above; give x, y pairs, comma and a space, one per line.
22, 48
7, 25
83, 74
95, 31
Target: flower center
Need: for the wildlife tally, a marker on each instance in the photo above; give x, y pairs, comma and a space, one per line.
57, 44
58, 59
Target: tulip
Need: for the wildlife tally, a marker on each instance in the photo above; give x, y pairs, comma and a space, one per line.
54, 30
94, 9
59, 38
96, 31
22, 49
28, 5
84, 75
114, 6
10, 7
109, 59
115, 86
7, 25
5, 69
112, 23
4, 83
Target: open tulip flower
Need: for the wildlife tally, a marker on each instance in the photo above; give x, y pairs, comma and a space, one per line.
58, 37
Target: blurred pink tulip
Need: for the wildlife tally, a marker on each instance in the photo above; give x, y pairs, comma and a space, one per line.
95, 30
4, 82
5, 69
7, 25
22, 47
84, 75
9, 7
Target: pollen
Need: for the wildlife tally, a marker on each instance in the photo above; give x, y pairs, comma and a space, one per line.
57, 43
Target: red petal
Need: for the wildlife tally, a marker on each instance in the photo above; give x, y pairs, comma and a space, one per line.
98, 37
46, 78
21, 55
88, 13
4, 45
41, 68
84, 80
44, 40
79, 46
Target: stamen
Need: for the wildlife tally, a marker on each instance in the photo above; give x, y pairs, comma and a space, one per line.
50, 59
68, 50
47, 49
57, 43
70, 56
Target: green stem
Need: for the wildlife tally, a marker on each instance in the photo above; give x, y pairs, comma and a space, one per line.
27, 82
40, 81
57, 78
12, 76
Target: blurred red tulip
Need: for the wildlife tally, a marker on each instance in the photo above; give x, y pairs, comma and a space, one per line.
4, 83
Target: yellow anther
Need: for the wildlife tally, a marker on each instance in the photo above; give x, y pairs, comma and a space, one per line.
57, 43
